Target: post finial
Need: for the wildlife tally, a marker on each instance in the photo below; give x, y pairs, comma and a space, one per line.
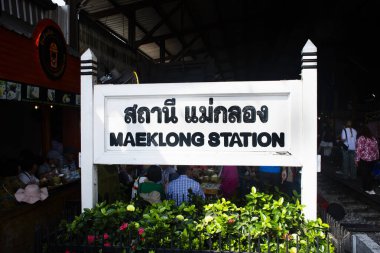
88, 55
88, 63
309, 56
309, 47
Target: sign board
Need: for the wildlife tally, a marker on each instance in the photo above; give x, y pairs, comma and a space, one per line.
219, 123
51, 46
229, 123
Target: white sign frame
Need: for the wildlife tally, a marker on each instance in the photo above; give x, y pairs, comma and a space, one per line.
303, 126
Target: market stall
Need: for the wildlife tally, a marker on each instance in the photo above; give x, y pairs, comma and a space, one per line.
19, 220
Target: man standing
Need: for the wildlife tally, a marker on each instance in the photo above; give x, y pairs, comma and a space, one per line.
169, 172
178, 189
348, 137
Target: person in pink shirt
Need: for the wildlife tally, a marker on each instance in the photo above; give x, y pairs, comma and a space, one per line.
366, 155
229, 181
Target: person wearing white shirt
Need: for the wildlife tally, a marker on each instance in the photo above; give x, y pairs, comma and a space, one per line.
348, 137
29, 166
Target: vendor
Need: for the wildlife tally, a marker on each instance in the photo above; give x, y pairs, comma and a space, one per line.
69, 162
51, 165
69, 158
29, 166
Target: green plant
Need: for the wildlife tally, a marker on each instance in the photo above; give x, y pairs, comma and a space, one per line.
102, 219
265, 222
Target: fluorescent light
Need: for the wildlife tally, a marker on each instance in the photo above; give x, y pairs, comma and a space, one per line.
59, 2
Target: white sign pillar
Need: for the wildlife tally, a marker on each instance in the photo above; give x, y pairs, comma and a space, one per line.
89, 175
309, 128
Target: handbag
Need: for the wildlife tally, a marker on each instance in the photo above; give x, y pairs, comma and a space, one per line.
342, 145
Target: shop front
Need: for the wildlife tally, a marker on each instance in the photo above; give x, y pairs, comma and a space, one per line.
40, 108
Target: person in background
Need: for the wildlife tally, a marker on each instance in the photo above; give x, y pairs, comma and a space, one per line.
169, 172
51, 165
125, 176
29, 165
290, 180
178, 189
151, 189
366, 155
229, 181
139, 180
57, 146
269, 176
348, 137
69, 158
327, 141
125, 180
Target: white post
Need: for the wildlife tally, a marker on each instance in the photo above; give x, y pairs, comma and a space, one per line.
89, 175
309, 128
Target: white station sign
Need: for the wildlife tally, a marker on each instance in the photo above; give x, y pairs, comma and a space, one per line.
230, 123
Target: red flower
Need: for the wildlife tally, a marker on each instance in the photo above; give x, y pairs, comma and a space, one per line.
141, 231
90, 239
123, 226
231, 221
107, 244
106, 236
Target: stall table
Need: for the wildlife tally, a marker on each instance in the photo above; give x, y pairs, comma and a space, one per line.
18, 224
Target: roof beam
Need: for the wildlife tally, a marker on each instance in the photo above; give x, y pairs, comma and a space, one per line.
185, 49
148, 36
131, 16
125, 7
157, 7
164, 37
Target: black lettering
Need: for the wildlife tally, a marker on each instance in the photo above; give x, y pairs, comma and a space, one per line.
116, 141
280, 140
254, 139
213, 139
245, 136
198, 139
141, 139
161, 142
129, 140
235, 139
151, 140
225, 135
170, 142
185, 139
264, 139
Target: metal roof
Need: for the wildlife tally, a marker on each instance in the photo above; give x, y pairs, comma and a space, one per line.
246, 39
